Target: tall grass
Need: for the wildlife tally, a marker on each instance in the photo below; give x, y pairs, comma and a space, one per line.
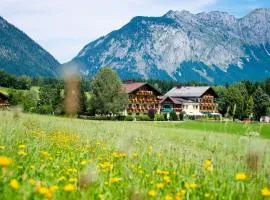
62, 158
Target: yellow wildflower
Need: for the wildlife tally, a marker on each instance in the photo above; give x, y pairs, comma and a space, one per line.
163, 172
53, 188
241, 176
14, 184
5, 161
177, 197
152, 193
119, 155
115, 180
69, 188
22, 146
45, 191
45, 154
2, 147
135, 155
207, 164
160, 185
73, 180
167, 179
62, 178
183, 192
32, 182
190, 185
83, 162
265, 192
22, 153
207, 195
168, 197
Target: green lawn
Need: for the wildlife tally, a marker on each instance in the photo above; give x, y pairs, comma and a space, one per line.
238, 128
64, 158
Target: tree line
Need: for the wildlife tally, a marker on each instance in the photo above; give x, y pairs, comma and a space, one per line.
103, 95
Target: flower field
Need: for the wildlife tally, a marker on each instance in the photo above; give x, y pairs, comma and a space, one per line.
60, 158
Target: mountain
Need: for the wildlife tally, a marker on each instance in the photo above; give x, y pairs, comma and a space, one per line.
213, 47
20, 55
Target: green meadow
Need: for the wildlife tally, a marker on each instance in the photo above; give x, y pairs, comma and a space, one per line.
46, 157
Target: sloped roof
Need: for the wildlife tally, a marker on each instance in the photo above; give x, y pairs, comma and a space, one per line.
3, 96
130, 87
190, 91
176, 100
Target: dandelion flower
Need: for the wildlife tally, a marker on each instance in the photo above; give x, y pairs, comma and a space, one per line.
241, 176
167, 179
84, 162
190, 185
168, 197
5, 161
69, 188
115, 180
45, 191
265, 192
53, 188
22, 146
152, 193
14, 184
73, 180
160, 185
207, 165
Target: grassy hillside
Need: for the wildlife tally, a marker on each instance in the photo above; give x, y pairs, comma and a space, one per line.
64, 158
4, 90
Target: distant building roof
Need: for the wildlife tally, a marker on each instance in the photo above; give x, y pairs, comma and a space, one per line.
190, 91
3, 96
131, 87
176, 100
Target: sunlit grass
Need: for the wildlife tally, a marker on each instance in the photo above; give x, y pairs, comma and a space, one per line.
61, 158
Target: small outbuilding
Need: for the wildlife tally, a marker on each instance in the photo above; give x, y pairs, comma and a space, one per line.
3, 101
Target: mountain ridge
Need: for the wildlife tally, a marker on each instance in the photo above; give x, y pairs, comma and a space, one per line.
215, 47
21, 55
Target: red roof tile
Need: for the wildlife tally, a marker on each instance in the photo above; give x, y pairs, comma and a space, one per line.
130, 87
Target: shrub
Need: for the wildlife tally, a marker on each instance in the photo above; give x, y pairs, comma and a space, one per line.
143, 118
151, 113
165, 117
173, 116
129, 118
120, 118
181, 116
160, 118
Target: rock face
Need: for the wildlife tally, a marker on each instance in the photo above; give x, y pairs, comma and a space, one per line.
20, 55
213, 47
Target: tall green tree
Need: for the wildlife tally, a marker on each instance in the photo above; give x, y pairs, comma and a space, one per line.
234, 101
107, 96
222, 106
249, 107
261, 103
50, 100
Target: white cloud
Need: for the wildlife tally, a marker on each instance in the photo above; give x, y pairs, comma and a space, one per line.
63, 27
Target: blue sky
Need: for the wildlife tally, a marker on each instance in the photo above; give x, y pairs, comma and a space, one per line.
239, 8
63, 27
